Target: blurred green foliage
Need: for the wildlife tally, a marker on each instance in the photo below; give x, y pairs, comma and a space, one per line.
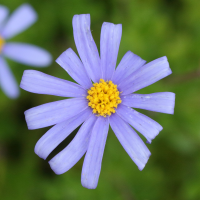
151, 29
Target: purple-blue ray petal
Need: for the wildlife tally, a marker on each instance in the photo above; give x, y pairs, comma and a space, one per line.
69, 156
41, 83
129, 63
54, 112
146, 75
3, 15
130, 141
109, 47
86, 46
93, 158
145, 125
7, 81
71, 63
27, 54
23, 17
159, 102
54, 136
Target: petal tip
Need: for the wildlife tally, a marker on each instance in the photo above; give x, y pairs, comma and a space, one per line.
60, 58
78, 17
55, 168
85, 183
142, 165
173, 103
30, 9
13, 94
47, 59
148, 141
38, 152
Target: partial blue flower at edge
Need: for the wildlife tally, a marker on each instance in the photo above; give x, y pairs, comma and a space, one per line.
131, 75
20, 20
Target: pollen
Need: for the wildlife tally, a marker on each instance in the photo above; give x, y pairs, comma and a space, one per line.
103, 98
2, 41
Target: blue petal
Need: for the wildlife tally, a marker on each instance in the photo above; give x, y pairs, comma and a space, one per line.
7, 81
93, 158
109, 47
86, 46
130, 141
53, 137
159, 102
23, 17
55, 112
145, 125
129, 64
69, 61
69, 156
146, 75
3, 15
38, 82
27, 54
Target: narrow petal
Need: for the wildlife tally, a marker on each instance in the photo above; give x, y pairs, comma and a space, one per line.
129, 64
145, 125
130, 141
93, 158
159, 102
109, 47
3, 15
54, 112
54, 136
27, 54
69, 156
146, 75
86, 46
23, 17
69, 61
7, 81
41, 83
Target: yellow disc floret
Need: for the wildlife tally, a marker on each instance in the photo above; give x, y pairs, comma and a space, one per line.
103, 98
1, 43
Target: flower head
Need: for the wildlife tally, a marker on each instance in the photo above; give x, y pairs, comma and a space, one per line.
27, 54
103, 98
107, 101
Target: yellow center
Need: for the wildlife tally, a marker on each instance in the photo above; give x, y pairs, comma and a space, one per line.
103, 98
1, 43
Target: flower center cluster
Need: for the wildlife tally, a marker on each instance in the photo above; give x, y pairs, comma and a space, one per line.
1, 43
103, 98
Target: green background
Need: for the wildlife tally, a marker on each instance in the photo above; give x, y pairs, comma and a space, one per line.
151, 29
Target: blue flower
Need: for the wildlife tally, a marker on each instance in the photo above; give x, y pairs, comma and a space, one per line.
107, 101
27, 54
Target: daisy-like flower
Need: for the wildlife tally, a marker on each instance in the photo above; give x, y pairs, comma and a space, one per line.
21, 19
107, 101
